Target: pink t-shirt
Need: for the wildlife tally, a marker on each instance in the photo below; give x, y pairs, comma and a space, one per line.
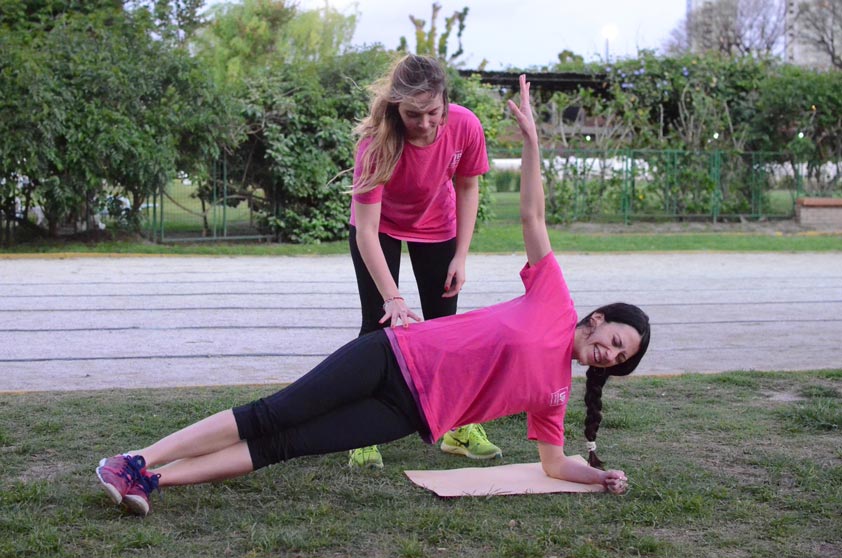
496, 361
419, 202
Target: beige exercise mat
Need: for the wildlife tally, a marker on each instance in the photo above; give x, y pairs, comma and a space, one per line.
521, 478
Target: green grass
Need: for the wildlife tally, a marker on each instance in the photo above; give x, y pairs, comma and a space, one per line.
501, 235
731, 465
183, 212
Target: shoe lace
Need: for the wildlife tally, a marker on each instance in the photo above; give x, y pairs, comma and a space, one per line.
133, 467
136, 468
477, 434
149, 483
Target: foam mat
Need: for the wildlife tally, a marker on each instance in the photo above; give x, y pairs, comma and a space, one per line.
521, 478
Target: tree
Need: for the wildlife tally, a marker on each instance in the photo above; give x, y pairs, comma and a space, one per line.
798, 112
244, 40
300, 89
569, 59
819, 25
42, 14
319, 35
732, 27
95, 105
693, 104
175, 20
430, 42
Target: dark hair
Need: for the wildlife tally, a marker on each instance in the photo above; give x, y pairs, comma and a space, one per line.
623, 313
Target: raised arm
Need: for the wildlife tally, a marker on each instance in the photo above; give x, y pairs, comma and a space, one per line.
535, 236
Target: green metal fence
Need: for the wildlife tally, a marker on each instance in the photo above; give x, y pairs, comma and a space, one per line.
630, 184
207, 210
582, 185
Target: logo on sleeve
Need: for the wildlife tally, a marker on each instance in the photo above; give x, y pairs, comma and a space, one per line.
454, 161
558, 398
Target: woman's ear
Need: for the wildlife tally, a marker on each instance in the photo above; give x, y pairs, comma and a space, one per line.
596, 319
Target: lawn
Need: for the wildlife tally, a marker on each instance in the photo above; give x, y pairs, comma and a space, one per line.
503, 235
731, 465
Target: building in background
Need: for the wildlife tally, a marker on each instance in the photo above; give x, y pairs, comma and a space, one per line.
799, 32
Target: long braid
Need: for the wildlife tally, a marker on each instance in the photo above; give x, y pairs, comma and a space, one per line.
623, 313
596, 379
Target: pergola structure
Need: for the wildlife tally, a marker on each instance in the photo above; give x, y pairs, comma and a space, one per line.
549, 82
572, 120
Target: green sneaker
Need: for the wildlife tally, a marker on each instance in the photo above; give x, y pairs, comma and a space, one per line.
365, 458
471, 442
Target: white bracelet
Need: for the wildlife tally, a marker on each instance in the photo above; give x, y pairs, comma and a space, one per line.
392, 299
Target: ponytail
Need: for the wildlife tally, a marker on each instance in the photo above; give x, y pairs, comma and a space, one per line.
596, 378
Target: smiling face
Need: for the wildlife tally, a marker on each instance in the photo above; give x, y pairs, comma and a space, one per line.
603, 344
421, 116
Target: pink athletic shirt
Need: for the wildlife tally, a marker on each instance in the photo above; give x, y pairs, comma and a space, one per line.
496, 361
419, 202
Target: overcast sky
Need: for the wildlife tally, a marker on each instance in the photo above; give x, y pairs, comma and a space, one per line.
523, 33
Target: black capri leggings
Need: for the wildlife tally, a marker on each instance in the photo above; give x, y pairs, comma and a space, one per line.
356, 397
430, 261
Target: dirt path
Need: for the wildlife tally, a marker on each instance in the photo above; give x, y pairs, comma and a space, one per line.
105, 322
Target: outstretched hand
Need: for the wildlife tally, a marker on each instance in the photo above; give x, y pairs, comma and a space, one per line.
396, 312
523, 113
615, 481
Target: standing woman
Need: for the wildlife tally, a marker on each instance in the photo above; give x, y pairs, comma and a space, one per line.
416, 180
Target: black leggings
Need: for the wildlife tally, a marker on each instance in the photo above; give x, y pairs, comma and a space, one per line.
356, 397
430, 261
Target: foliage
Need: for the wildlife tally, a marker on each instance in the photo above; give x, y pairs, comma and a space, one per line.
430, 43
41, 15
244, 40
110, 99
686, 102
799, 109
710, 108
319, 35
482, 101
96, 106
300, 88
299, 142
255, 37
175, 21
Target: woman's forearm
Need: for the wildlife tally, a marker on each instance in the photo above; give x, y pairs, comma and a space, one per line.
375, 262
467, 205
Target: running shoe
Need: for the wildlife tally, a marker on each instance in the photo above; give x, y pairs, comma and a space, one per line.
470, 441
365, 458
118, 473
137, 498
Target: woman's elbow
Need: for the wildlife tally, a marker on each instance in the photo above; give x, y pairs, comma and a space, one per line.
549, 469
530, 218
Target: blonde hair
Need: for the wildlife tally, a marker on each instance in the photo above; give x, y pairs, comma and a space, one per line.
409, 77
